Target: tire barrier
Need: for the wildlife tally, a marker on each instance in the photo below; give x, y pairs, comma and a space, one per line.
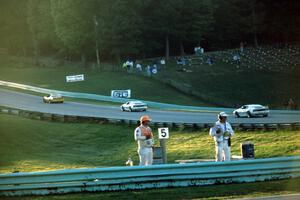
132, 123
144, 177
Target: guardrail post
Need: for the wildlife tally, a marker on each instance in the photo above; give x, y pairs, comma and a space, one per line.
59, 118
164, 150
285, 126
271, 126
47, 116
296, 126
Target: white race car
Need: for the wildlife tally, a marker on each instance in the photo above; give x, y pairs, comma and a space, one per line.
53, 98
134, 106
252, 110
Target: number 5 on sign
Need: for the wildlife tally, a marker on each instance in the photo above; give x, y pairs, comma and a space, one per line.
163, 133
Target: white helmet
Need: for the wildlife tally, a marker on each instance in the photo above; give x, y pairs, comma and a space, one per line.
222, 114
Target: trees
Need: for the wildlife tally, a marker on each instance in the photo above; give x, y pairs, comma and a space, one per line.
14, 31
74, 26
41, 26
176, 21
119, 28
132, 28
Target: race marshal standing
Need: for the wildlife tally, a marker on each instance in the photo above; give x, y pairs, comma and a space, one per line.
222, 133
144, 137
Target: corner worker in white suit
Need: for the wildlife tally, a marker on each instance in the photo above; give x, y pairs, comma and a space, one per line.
144, 137
222, 132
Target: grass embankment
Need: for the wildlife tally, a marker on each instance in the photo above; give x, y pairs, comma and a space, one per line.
96, 81
32, 145
223, 84
219, 84
228, 191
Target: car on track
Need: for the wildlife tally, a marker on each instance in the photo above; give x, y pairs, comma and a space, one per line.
252, 110
134, 106
53, 98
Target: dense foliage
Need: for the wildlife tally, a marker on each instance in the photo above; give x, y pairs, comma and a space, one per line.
133, 28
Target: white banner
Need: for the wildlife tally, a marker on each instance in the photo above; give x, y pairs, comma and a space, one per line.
121, 93
75, 78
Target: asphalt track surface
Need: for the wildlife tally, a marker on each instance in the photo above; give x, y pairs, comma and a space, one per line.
29, 102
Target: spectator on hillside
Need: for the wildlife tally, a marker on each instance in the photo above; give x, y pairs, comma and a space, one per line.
124, 66
201, 50
198, 50
236, 58
162, 62
180, 61
154, 69
242, 47
291, 104
139, 67
209, 61
128, 64
148, 70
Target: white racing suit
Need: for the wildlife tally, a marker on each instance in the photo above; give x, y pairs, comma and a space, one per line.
144, 137
221, 140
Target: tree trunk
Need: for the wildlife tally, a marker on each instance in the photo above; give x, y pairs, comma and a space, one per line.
118, 58
83, 60
254, 26
97, 56
96, 41
182, 53
35, 49
167, 47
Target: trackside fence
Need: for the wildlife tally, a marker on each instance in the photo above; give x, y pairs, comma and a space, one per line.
103, 120
143, 177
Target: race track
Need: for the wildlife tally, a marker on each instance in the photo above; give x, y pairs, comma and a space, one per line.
34, 103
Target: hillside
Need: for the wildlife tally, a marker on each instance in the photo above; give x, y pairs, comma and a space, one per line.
264, 75
52, 75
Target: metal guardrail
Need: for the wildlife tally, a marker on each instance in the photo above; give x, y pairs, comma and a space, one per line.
196, 126
110, 99
155, 176
122, 100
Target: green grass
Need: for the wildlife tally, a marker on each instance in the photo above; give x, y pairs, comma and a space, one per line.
228, 191
220, 84
32, 145
96, 82
223, 84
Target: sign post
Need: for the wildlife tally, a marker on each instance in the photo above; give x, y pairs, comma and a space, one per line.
163, 135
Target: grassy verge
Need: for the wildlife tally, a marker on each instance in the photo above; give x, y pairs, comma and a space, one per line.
228, 191
96, 82
224, 84
32, 145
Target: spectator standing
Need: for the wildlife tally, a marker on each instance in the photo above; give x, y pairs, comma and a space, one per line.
139, 67
242, 47
209, 61
291, 104
148, 70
